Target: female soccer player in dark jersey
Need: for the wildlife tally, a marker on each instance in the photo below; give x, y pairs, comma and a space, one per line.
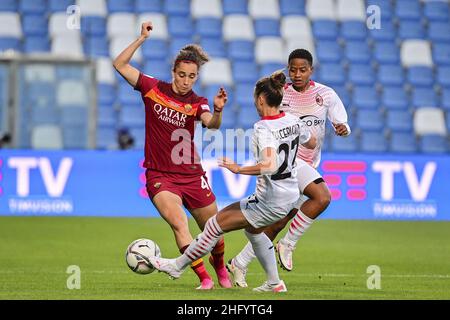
175, 177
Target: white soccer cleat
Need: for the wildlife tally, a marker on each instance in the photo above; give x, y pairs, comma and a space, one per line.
167, 266
266, 287
284, 252
237, 273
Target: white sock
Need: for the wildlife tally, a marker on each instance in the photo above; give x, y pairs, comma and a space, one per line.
246, 256
202, 245
266, 255
298, 226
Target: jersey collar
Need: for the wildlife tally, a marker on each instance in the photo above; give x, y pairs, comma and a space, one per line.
277, 116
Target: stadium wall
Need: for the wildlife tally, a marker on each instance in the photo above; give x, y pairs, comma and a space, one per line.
112, 183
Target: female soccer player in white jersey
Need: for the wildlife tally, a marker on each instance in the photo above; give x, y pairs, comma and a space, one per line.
275, 141
313, 103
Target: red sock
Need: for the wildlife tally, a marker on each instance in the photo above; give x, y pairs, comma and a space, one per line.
198, 267
217, 253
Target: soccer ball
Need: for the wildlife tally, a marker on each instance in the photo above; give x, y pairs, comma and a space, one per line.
137, 255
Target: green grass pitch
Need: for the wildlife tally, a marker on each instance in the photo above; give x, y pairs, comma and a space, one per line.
330, 262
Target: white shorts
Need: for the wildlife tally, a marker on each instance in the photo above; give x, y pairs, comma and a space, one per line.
305, 175
259, 214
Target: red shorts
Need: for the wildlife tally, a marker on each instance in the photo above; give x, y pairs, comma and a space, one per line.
194, 191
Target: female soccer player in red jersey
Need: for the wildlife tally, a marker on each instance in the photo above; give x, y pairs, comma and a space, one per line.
175, 177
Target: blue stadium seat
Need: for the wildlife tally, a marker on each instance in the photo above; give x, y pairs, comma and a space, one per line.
433, 144
268, 68
399, 120
353, 30
385, 6
44, 115
33, 6
214, 47
106, 138
229, 120
10, 44
234, 7
75, 137
447, 121
120, 6
132, 117
423, 97
411, 30
159, 69
443, 76
445, 99
245, 71
439, 31
373, 142
41, 94
59, 5
387, 33
177, 8
288, 7
8, 5
93, 26
244, 94
248, 116
146, 6
34, 25
361, 74
408, 10
177, 43
74, 116
209, 27
96, 47
357, 52
347, 144
436, 10
267, 27
126, 96
155, 49
66, 72
328, 51
241, 50
420, 76
391, 75
369, 120
365, 97
138, 135
441, 53
394, 98
332, 74
180, 26
325, 30
403, 142
386, 52
106, 95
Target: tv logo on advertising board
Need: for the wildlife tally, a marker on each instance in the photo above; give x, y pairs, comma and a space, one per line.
417, 205
355, 176
54, 182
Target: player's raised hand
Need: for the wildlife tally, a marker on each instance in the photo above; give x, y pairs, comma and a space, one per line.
220, 100
146, 28
229, 164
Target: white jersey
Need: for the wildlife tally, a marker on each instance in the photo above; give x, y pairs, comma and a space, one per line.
313, 106
284, 133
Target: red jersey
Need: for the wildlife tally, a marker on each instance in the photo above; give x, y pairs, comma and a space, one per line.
169, 127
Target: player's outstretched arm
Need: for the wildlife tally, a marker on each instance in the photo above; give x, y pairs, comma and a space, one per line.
213, 121
267, 165
122, 61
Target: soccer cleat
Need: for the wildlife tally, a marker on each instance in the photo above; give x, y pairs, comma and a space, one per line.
266, 287
222, 275
284, 251
206, 284
166, 265
237, 273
